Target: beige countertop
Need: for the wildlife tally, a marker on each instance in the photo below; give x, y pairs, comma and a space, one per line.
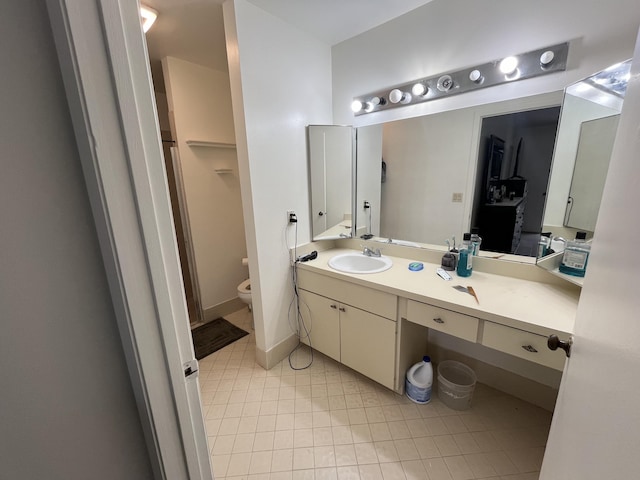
536, 307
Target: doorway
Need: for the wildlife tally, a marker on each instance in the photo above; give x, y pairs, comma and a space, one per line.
514, 163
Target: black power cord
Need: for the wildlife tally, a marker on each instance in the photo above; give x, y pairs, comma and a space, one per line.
299, 325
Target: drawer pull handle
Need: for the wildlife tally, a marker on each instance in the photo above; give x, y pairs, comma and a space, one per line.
342, 309
334, 306
438, 320
530, 348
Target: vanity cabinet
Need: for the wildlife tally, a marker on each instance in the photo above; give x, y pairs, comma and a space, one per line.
353, 325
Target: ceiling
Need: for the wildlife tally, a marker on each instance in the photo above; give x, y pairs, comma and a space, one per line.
193, 30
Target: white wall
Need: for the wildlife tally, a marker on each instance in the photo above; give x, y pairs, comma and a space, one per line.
281, 82
199, 101
67, 408
447, 35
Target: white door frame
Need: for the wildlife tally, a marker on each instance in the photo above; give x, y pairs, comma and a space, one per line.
105, 68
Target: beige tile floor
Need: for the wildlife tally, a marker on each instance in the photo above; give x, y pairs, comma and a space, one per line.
329, 422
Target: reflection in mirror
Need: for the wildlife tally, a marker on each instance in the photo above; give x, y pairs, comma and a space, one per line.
370, 178
331, 179
438, 174
514, 161
588, 125
595, 144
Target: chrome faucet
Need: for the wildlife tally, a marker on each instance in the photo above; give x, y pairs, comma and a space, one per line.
371, 253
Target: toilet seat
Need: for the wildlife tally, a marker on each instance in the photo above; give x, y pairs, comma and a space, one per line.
245, 287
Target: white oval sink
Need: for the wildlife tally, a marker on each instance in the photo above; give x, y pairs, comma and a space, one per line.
359, 263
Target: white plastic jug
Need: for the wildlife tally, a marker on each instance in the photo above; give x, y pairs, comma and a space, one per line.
419, 381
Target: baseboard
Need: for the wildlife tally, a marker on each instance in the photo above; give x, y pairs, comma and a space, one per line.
269, 359
543, 396
222, 309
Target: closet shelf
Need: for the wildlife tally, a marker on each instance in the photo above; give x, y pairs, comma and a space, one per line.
204, 143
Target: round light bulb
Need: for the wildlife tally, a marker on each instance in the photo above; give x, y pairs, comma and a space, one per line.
419, 89
546, 58
368, 107
395, 95
475, 76
356, 106
509, 65
406, 98
375, 101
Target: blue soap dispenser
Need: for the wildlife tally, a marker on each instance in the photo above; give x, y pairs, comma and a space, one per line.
465, 256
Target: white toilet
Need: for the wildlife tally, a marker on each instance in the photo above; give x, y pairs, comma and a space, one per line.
244, 289
244, 292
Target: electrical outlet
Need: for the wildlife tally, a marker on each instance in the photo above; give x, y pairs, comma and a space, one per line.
457, 198
291, 216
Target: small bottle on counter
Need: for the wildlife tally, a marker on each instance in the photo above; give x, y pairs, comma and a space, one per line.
576, 256
465, 256
476, 240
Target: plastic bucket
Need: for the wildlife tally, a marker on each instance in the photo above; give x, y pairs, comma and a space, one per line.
456, 383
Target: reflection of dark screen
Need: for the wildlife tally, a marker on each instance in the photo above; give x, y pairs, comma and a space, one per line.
496, 152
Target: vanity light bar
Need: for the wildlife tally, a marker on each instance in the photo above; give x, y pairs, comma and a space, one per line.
509, 69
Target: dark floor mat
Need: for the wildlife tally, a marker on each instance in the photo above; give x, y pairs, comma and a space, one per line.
214, 335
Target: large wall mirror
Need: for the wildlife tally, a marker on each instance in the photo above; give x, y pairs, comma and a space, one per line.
442, 174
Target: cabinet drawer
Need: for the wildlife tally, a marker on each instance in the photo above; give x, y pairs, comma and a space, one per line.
527, 345
456, 324
368, 299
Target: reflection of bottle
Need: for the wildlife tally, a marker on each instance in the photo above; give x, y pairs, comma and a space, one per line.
476, 240
543, 244
557, 244
465, 255
576, 256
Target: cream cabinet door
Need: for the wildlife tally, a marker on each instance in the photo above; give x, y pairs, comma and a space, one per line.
321, 319
368, 344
